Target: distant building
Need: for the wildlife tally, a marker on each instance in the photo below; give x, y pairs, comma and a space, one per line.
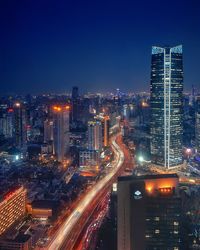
75, 93
83, 110
75, 104
48, 131
106, 130
95, 135
61, 131
197, 124
6, 124
166, 104
126, 111
88, 158
12, 207
19, 124
105, 124
148, 212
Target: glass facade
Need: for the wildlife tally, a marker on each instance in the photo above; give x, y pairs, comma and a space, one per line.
163, 228
149, 213
166, 106
61, 132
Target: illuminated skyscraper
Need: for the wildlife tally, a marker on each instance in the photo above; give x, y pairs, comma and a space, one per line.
166, 106
148, 212
106, 130
12, 207
19, 124
94, 135
197, 124
61, 131
105, 124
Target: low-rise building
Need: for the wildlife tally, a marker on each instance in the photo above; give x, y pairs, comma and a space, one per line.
12, 207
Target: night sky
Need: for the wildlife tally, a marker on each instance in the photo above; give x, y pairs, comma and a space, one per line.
49, 46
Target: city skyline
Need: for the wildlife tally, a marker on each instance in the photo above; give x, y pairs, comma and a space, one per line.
99, 125
97, 46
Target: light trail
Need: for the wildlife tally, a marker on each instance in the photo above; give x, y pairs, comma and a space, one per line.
73, 219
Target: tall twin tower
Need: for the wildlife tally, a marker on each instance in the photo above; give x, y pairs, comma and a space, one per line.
166, 106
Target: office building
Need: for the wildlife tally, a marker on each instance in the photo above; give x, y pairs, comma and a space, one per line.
61, 131
106, 130
197, 124
148, 212
48, 130
105, 124
12, 207
166, 103
19, 125
95, 135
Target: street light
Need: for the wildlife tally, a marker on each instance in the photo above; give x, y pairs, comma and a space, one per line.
141, 158
188, 152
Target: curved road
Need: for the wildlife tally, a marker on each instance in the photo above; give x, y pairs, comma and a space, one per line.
73, 219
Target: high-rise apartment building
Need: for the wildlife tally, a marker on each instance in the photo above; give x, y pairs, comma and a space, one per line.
12, 207
166, 104
61, 131
95, 135
148, 212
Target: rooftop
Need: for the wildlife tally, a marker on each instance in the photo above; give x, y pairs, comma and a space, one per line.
145, 177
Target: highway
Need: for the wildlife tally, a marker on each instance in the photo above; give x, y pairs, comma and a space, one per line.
89, 239
72, 221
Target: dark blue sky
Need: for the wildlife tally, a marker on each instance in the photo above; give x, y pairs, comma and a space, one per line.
100, 45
